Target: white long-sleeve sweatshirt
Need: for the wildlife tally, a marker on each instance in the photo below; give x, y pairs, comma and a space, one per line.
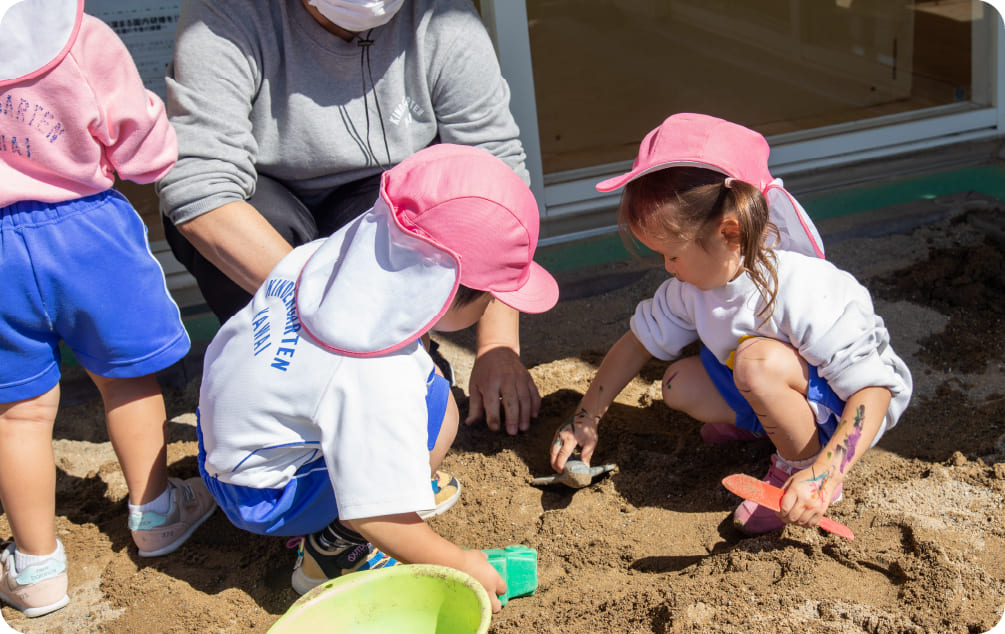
822, 311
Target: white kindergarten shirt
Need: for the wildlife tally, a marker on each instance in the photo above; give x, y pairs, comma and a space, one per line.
822, 311
272, 400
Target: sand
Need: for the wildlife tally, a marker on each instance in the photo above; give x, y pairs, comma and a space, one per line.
650, 546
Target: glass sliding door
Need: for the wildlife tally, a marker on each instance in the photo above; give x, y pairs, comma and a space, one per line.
605, 72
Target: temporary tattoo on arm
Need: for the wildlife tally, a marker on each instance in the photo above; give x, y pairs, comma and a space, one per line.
584, 414
566, 426
672, 377
818, 482
850, 443
843, 450
854, 436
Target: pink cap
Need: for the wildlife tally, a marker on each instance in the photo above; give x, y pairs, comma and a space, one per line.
470, 204
687, 139
447, 215
698, 140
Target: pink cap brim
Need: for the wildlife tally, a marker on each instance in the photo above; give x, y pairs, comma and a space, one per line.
538, 295
620, 181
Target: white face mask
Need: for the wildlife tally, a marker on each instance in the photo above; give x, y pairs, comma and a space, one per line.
357, 15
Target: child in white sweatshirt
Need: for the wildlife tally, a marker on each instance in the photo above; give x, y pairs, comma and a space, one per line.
791, 348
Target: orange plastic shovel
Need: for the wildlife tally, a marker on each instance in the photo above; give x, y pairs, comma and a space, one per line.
770, 496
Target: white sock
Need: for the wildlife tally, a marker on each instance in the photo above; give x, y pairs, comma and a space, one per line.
22, 561
160, 505
798, 465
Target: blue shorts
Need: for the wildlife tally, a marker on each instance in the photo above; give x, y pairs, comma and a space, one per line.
307, 503
820, 395
81, 271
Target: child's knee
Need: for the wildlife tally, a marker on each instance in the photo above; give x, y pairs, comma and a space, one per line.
117, 390
39, 410
763, 365
676, 387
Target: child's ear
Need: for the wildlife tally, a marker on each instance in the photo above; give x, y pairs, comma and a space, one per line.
729, 229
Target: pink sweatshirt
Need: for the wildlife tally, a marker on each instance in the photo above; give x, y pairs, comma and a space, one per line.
75, 114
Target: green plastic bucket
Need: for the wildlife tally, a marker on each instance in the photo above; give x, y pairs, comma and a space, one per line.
403, 599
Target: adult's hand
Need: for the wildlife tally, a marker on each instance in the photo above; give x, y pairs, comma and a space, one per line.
501, 388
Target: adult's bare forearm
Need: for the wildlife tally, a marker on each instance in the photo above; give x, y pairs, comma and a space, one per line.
238, 241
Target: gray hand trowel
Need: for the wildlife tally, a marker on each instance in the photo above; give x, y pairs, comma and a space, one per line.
575, 474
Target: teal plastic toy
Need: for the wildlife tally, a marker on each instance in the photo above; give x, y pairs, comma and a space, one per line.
404, 599
517, 565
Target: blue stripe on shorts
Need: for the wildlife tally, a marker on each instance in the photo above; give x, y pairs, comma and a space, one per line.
306, 504
819, 392
81, 271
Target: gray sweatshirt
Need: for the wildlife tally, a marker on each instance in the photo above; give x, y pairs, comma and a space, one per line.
259, 87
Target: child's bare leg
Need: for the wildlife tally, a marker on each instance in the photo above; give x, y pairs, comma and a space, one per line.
774, 379
448, 431
28, 471
161, 518
688, 388
135, 415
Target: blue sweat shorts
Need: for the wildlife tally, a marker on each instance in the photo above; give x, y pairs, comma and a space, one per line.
820, 395
307, 503
81, 271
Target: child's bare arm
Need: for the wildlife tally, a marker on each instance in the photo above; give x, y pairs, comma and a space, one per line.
622, 363
809, 491
409, 539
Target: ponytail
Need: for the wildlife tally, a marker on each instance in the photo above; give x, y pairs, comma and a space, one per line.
750, 208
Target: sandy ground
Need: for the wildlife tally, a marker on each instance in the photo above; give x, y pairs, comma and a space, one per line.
649, 547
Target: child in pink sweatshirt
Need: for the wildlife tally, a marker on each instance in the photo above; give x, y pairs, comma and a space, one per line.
77, 268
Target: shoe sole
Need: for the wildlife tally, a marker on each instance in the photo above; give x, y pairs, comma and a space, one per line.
443, 507
175, 545
40, 611
302, 584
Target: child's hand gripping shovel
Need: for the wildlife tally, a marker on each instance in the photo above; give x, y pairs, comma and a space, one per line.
770, 496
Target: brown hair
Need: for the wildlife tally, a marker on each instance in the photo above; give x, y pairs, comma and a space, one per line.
688, 203
465, 296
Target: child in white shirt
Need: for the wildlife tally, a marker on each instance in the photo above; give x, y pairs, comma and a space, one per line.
321, 413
